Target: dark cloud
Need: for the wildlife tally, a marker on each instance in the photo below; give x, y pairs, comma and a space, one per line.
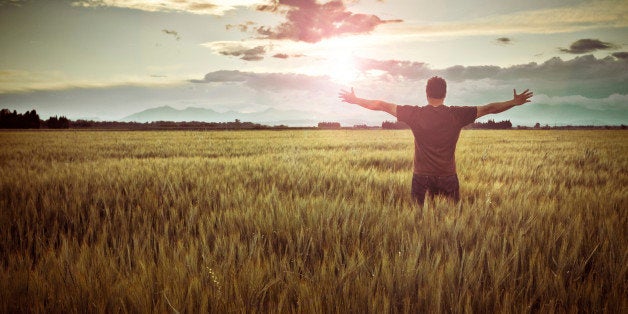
245, 53
309, 21
587, 45
172, 32
503, 40
623, 55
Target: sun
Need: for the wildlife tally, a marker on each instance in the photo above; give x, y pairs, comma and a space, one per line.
342, 69
333, 58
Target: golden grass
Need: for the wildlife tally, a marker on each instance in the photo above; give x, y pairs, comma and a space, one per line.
310, 221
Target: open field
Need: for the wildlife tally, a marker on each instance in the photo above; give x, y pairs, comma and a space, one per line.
310, 221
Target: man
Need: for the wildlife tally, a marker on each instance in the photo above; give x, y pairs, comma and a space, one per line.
436, 129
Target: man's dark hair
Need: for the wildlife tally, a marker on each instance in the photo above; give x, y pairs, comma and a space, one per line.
436, 88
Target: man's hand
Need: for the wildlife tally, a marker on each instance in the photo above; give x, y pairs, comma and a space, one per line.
497, 107
348, 97
521, 98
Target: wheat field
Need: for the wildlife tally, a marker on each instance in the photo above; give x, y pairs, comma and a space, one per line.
310, 222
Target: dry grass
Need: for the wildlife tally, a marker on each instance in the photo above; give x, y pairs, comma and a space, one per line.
310, 221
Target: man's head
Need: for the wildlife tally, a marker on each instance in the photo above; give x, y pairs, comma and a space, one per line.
436, 88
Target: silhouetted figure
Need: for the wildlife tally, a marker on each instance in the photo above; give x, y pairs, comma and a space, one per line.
436, 129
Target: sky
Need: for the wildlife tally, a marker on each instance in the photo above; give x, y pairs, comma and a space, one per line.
108, 59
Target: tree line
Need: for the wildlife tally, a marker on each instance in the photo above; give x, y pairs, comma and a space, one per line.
490, 125
30, 120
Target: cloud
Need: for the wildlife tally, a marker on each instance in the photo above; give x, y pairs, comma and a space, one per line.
251, 50
286, 56
223, 76
583, 75
270, 81
19, 81
253, 54
503, 41
395, 68
623, 55
281, 56
309, 21
601, 14
613, 101
243, 27
238, 49
16, 3
172, 32
581, 67
205, 7
588, 45
571, 91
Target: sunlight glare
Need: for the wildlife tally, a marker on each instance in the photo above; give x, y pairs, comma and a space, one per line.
342, 69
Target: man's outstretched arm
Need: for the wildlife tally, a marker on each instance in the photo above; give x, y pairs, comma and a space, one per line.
498, 107
349, 97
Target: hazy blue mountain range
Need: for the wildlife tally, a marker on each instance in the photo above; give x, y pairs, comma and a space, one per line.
269, 116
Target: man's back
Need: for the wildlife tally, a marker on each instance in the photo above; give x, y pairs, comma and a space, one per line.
436, 130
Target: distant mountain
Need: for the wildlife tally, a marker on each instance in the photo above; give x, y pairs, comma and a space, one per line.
167, 113
269, 116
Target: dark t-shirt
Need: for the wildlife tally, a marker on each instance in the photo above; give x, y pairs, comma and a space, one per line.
436, 131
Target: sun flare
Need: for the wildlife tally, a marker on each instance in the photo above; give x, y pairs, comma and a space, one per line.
342, 69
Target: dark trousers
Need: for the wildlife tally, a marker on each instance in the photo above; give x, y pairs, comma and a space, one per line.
423, 185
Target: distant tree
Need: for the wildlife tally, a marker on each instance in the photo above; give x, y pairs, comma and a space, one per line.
64, 123
6, 119
32, 119
329, 125
82, 123
13, 120
52, 122
537, 126
491, 125
58, 123
387, 125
